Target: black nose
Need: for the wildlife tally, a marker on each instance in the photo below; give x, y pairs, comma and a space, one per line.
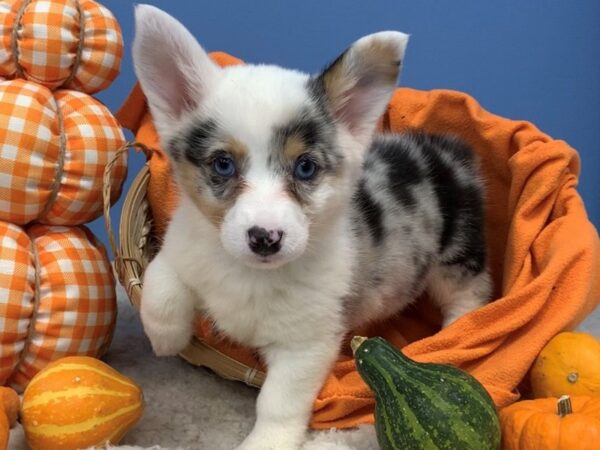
264, 242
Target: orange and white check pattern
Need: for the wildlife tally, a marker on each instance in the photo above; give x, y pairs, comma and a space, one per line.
29, 149
93, 138
102, 51
49, 38
33, 170
76, 307
17, 291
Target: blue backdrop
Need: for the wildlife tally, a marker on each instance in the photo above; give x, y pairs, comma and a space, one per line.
534, 60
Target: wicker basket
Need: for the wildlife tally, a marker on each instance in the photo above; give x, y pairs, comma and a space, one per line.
136, 249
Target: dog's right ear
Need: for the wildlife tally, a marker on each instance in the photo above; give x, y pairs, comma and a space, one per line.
359, 83
172, 68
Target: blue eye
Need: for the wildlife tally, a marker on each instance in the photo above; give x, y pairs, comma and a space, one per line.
224, 167
305, 168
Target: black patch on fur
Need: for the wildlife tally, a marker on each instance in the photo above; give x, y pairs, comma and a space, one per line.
316, 83
473, 250
371, 212
460, 203
197, 147
449, 192
473, 258
317, 132
194, 145
315, 128
317, 91
403, 171
176, 148
309, 129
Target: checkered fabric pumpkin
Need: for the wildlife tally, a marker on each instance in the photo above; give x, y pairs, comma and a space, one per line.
75, 44
53, 150
57, 298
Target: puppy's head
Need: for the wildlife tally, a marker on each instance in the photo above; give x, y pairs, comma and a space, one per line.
268, 155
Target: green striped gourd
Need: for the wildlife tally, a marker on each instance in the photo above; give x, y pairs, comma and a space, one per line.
424, 406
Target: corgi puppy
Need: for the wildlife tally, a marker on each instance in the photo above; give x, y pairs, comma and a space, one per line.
298, 221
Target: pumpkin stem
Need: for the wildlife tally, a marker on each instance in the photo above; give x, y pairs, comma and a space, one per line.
564, 406
572, 377
356, 342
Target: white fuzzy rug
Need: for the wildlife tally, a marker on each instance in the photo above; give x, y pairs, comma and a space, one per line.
190, 408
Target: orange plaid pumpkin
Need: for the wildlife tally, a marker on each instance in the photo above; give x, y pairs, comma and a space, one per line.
53, 150
75, 44
57, 298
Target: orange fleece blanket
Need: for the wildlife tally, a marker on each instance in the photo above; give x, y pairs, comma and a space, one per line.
543, 251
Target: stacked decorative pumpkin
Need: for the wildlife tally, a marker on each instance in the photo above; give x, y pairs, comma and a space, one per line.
68, 44
57, 292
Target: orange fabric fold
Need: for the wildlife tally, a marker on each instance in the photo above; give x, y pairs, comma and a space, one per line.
544, 253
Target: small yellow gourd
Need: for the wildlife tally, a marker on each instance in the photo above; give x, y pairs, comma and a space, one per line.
79, 402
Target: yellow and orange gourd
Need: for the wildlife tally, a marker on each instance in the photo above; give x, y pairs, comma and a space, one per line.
568, 365
79, 402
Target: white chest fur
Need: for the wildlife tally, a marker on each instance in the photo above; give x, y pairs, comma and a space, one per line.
261, 307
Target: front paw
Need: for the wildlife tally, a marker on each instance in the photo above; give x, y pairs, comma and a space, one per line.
167, 339
167, 308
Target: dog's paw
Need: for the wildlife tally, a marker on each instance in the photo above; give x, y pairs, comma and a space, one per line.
167, 340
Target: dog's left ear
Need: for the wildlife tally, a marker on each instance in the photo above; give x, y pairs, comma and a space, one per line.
359, 83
